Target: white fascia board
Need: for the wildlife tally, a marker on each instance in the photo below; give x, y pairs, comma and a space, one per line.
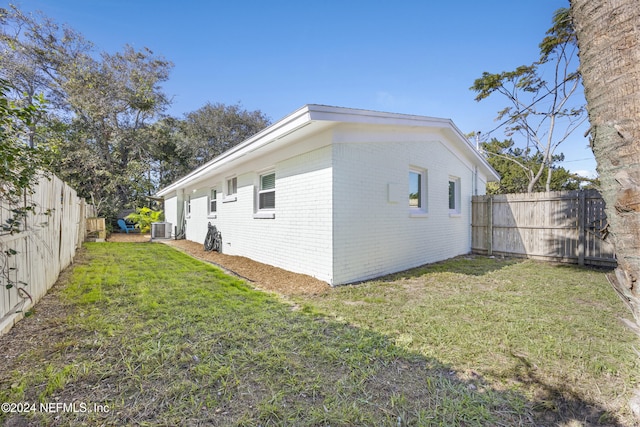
492, 174
350, 115
272, 133
324, 113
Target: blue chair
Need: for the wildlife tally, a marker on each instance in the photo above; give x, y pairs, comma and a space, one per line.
125, 227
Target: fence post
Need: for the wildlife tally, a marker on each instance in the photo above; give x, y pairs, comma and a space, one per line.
581, 226
490, 226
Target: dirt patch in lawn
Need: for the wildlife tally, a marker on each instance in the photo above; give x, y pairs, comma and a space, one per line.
261, 276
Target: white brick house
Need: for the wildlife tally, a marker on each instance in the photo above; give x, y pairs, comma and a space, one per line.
339, 194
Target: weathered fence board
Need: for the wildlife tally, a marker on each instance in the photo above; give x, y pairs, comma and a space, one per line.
565, 226
45, 245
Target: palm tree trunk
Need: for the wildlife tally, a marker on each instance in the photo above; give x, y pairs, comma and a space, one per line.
609, 42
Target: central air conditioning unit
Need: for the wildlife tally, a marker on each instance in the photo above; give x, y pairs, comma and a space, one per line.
160, 230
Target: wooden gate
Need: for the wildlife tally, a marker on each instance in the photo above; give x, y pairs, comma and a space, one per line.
564, 226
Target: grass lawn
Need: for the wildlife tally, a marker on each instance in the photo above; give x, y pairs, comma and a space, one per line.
150, 336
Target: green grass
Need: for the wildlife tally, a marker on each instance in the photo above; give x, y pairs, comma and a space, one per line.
551, 332
162, 339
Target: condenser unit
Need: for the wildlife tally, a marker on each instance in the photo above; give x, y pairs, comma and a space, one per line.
160, 230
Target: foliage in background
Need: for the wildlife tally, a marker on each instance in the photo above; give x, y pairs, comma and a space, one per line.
106, 123
110, 127
21, 165
214, 128
168, 161
542, 111
143, 217
515, 166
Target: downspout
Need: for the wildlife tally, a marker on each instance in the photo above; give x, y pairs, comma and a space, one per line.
475, 181
180, 226
474, 192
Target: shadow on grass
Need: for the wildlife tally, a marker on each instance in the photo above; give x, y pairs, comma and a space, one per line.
348, 377
555, 405
471, 265
218, 353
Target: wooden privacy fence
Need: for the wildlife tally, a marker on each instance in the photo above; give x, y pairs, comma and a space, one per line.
32, 259
564, 226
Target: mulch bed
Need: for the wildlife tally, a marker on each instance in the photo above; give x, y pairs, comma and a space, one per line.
261, 276
129, 237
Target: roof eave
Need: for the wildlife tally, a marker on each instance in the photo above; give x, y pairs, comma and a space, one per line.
269, 134
492, 174
328, 114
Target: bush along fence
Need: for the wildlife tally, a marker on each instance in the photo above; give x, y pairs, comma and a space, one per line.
562, 226
38, 239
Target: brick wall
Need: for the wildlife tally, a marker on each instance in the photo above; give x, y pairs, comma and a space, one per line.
298, 238
375, 234
335, 218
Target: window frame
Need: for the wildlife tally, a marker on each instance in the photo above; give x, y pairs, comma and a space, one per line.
213, 202
456, 210
187, 207
230, 183
262, 191
423, 208
268, 212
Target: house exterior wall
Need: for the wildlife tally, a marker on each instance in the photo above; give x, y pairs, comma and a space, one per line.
374, 230
299, 237
304, 214
171, 211
196, 216
342, 180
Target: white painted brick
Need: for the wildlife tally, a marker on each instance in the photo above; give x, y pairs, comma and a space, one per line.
333, 217
375, 237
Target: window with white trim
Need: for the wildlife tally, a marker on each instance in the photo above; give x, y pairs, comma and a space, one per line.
232, 186
187, 206
213, 201
267, 191
417, 191
454, 195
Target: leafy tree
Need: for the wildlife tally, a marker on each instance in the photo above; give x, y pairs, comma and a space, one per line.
143, 217
115, 101
102, 106
516, 168
20, 163
169, 160
214, 128
34, 51
104, 124
539, 109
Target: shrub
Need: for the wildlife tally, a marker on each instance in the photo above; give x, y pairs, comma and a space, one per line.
143, 217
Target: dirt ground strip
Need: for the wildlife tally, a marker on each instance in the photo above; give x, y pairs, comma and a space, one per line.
261, 276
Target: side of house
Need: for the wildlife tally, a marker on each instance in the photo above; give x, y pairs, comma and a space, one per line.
402, 198
339, 194
274, 207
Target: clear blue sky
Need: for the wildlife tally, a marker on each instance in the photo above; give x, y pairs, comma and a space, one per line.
414, 56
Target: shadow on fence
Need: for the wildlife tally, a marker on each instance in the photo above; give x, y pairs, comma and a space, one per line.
562, 226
